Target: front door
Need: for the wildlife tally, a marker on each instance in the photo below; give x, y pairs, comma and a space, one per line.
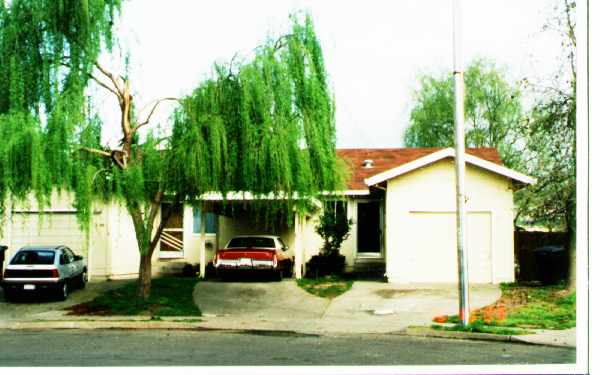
369, 230
171, 239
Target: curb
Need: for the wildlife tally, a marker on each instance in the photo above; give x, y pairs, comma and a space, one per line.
198, 324
138, 324
94, 324
429, 332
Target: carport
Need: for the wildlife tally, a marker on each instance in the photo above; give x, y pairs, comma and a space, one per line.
236, 218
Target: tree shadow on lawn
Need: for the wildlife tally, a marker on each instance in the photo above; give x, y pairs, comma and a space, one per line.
172, 296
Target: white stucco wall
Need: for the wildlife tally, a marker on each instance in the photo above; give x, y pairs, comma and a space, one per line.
313, 242
420, 230
192, 241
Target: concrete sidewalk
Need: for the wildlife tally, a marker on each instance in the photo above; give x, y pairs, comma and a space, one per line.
368, 307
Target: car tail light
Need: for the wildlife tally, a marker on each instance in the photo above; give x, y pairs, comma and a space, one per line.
54, 272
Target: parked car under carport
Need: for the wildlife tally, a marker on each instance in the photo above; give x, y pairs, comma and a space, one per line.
254, 253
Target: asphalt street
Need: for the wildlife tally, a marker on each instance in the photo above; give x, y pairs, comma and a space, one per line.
222, 348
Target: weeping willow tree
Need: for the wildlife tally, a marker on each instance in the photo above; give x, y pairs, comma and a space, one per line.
48, 49
265, 126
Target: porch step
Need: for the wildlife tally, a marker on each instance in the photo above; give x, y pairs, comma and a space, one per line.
369, 267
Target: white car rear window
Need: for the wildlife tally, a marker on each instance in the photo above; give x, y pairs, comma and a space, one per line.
34, 257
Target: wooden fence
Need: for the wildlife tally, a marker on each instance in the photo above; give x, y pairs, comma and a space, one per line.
528, 268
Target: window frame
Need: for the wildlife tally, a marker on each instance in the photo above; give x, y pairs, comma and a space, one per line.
198, 210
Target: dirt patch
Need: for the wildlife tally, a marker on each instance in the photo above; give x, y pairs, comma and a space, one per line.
247, 293
499, 310
392, 293
87, 309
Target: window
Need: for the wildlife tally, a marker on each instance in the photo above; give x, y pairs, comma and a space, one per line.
34, 257
340, 208
211, 221
69, 254
248, 242
283, 245
63, 259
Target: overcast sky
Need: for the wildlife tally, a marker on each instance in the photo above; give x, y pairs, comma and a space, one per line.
374, 50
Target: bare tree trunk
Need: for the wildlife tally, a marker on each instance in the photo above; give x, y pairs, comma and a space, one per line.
145, 276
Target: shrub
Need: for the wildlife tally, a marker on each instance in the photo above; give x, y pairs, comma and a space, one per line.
334, 229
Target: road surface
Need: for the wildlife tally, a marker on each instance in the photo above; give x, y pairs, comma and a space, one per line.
222, 348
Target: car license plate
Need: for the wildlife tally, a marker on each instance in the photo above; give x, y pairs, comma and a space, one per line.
28, 287
245, 262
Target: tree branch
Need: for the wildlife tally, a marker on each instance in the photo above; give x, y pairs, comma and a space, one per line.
156, 103
117, 94
111, 77
114, 156
96, 151
158, 198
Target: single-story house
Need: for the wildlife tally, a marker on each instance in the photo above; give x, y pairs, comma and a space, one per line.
401, 202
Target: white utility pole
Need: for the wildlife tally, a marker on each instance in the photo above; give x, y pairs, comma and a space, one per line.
459, 163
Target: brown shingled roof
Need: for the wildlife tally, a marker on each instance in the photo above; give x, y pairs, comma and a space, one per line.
388, 158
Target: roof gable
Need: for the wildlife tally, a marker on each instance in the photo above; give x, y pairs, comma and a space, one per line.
443, 154
386, 159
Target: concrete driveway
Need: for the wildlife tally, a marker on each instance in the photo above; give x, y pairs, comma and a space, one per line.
46, 308
368, 307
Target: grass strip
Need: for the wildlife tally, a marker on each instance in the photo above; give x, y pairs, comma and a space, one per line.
169, 296
480, 327
327, 286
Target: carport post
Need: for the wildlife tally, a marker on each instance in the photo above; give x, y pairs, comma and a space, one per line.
203, 243
298, 250
459, 162
88, 235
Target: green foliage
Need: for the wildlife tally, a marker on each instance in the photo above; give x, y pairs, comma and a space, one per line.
550, 138
265, 127
37, 39
547, 307
492, 110
47, 49
334, 229
479, 326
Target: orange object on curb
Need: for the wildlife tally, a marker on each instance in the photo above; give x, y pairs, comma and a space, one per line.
441, 319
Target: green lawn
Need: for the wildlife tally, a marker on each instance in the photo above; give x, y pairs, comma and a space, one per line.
170, 296
527, 307
326, 287
548, 307
480, 327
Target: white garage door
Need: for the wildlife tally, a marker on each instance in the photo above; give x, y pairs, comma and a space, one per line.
49, 229
432, 242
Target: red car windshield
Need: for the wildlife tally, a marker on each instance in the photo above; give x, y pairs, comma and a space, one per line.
247, 242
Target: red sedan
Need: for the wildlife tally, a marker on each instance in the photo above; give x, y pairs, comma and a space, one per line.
256, 253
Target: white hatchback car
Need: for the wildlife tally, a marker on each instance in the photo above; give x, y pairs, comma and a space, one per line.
43, 269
